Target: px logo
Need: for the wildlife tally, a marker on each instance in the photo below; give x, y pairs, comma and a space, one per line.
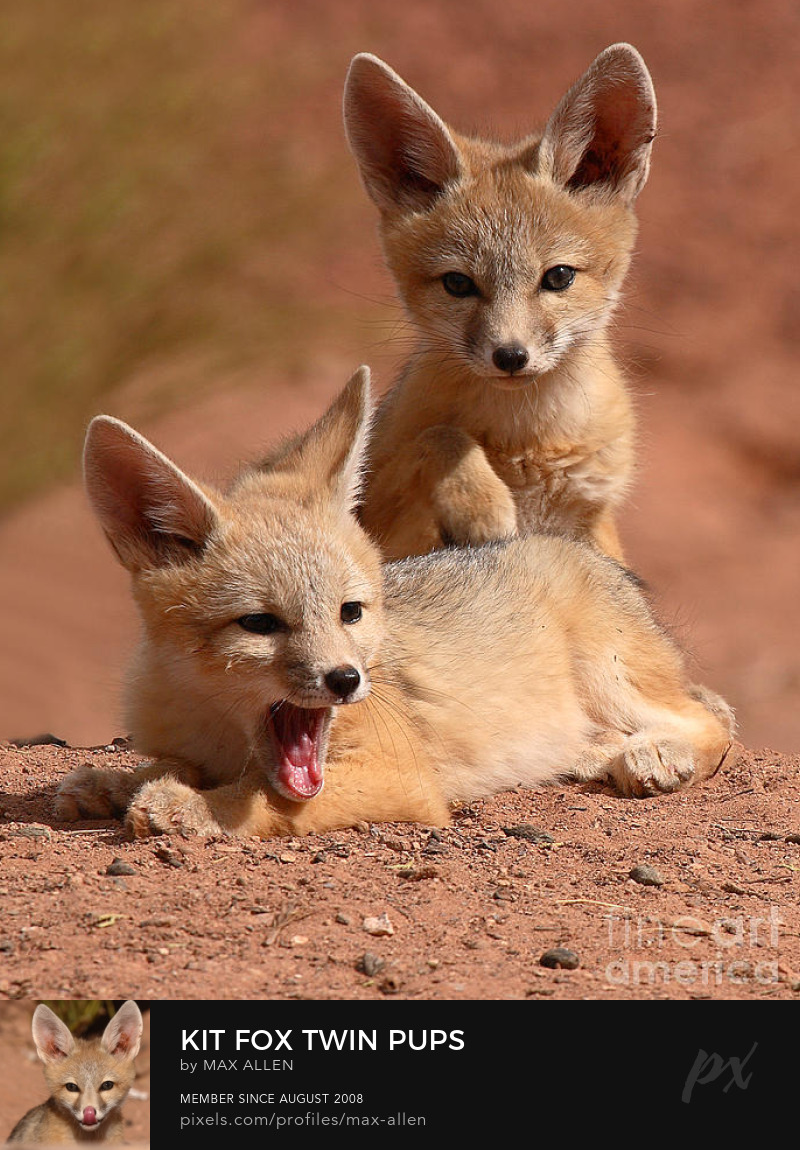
709, 1067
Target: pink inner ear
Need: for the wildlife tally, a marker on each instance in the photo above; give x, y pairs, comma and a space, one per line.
146, 505
53, 1050
123, 1044
405, 151
602, 130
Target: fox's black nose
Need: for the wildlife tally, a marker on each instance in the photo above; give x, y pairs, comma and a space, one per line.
510, 358
342, 681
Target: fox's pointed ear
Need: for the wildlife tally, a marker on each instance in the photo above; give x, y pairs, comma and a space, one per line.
330, 456
124, 1032
151, 512
51, 1036
405, 153
601, 134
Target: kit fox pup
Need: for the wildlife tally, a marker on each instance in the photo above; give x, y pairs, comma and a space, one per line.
278, 655
511, 415
88, 1078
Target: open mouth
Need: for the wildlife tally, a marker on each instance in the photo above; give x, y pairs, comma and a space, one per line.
298, 735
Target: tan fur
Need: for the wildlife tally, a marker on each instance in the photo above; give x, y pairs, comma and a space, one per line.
100, 1071
520, 662
464, 450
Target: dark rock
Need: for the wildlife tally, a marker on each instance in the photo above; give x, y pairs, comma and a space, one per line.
559, 956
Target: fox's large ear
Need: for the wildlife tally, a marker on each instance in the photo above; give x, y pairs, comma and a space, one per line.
330, 456
151, 512
51, 1036
601, 134
124, 1032
405, 153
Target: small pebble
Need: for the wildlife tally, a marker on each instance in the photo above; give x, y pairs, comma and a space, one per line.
120, 867
379, 925
646, 875
559, 956
370, 964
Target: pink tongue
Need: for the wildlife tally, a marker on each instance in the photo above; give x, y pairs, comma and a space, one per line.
89, 1116
297, 731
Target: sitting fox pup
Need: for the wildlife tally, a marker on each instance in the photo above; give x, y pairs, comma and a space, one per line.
511, 415
287, 684
88, 1080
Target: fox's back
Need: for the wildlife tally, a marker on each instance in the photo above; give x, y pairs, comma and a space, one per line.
489, 643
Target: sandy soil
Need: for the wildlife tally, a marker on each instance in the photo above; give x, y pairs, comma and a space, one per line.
471, 909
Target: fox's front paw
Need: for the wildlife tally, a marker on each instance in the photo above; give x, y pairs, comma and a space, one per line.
94, 794
652, 765
471, 504
169, 807
473, 526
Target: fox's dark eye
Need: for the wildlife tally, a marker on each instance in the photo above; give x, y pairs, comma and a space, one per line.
457, 284
351, 612
107, 1085
265, 624
558, 278
72, 1087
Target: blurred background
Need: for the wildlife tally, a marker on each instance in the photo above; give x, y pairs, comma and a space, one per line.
184, 243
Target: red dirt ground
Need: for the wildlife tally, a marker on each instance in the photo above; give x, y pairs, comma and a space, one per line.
472, 908
710, 332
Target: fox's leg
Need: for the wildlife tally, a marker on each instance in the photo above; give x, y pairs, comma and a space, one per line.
672, 749
715, 704
89, 793
594, 761
167, 805
248, 808
471, 503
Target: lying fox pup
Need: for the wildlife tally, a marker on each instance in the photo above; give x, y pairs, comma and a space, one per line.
88, 1080
278, 656
511, 415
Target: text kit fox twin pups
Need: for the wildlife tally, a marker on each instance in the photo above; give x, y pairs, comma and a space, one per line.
278, 654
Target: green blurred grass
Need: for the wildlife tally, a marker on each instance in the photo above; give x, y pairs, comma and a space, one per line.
156, 207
